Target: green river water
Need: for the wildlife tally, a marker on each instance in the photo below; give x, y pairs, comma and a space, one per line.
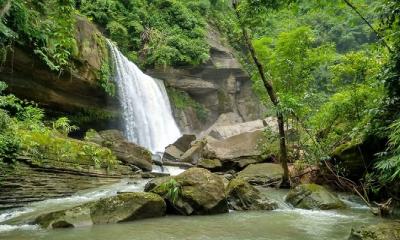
285, 223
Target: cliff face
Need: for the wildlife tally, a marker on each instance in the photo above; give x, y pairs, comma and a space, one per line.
70, 92
220, 85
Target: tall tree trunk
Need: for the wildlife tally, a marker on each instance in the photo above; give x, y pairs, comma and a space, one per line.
377, 33
272, 95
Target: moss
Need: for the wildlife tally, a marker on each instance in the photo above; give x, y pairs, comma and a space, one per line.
90, 115
182, 100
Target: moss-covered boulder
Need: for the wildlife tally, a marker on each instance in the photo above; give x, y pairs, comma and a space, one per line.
243, 196
121, 208
265, 174
313, 196
127, 207
381, 231
196, 191
129, 153
210, 164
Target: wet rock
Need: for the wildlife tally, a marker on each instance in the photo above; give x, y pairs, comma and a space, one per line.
313, 196
127, 207
198, 192
243, 196
129, 153
121, 208
75, 217
265, 174
381, 231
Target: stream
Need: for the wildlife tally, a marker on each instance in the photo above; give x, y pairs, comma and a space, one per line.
284, 223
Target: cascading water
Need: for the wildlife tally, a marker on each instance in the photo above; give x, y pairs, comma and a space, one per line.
146, 109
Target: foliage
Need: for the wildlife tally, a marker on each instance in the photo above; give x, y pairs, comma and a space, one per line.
46, 26
173, 189
389, 166
24, 132
182, 100
158, 32
105, 79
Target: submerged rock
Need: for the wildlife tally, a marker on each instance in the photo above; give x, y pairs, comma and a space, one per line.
242, 196
381, 231
265, 174
198, 192
313, 196
74, 217
121, 208
129, 153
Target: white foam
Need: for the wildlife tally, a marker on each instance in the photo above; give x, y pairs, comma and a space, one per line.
26, 227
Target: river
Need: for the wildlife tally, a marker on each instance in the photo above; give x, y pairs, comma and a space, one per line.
284, 223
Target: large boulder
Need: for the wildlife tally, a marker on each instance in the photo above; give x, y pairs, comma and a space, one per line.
313, 196
265, 174
243, 196
173, 152
237, 151
225, 131
195, 192
381, 231
129, 153
121, 208
127, 207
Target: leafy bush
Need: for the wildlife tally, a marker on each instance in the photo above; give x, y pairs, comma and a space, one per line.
389, 165
23, 132
47, 26
154, 32
173, 189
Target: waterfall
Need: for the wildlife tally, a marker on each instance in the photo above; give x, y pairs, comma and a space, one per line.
147, 114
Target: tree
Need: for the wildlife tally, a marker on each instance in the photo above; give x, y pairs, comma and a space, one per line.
378, 34
272, 95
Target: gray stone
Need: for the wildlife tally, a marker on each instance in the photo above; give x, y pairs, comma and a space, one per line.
313, 196
266, 174
242, 196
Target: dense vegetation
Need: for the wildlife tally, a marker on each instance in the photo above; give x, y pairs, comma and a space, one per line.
337, 83
24, 133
